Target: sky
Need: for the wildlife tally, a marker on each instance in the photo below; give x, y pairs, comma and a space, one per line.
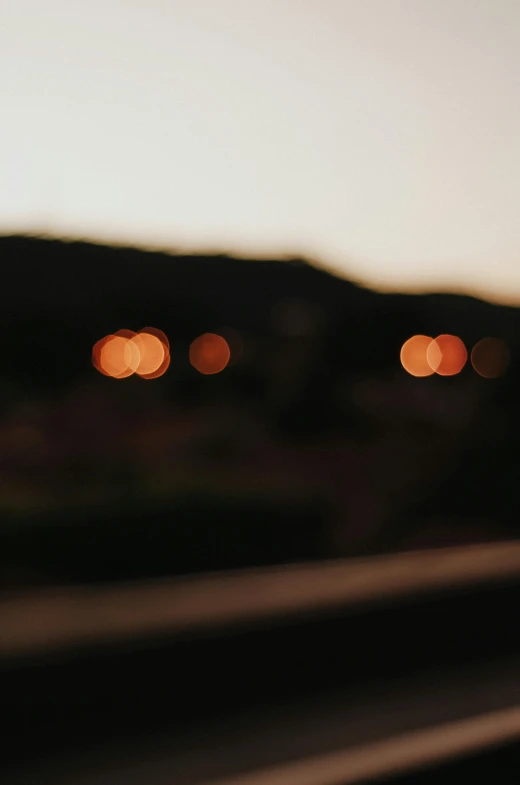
380, 138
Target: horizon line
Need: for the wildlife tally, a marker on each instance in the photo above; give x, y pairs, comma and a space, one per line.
499, 299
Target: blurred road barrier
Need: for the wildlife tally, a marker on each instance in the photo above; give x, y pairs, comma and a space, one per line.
54, 619
348, 737
394, 755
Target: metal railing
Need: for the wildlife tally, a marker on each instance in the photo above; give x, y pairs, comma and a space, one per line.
54, 618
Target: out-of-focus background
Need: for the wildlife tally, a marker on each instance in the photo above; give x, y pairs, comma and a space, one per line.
299, 435
267, 156
260, 361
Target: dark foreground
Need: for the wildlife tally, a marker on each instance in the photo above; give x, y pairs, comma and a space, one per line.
422, 688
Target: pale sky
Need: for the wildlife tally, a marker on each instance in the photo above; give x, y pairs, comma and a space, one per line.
379, 137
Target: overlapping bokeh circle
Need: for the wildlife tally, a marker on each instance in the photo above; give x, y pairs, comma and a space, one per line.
422, 355
446, 355
124, 353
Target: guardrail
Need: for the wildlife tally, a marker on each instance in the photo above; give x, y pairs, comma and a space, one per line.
52, 619
428, 672
393, 756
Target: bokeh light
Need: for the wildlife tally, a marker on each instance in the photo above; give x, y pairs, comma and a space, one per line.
115, 356
96, 354
209, 353
414, 355
152, 352
147, 338
131, 354
125, 352
163, 367
490, 358
158, 334
447, 355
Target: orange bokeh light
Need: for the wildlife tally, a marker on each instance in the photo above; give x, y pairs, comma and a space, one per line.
209, 353
413, 355
163, 367
131, 353
447, 355
149, 337
116, 357
490, 358
96, 354
158, 334
125, 352
152, 353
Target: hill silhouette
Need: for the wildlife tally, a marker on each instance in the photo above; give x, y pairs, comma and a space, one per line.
87, 289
